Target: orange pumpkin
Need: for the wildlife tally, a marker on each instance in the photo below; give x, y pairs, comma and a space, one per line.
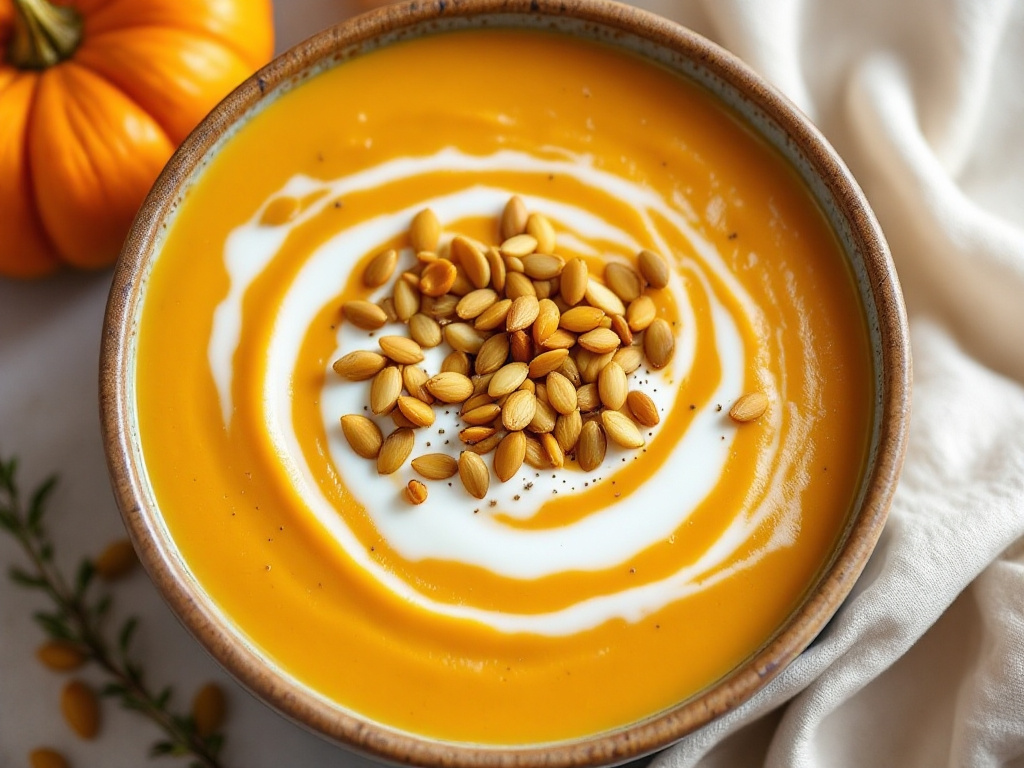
94, 97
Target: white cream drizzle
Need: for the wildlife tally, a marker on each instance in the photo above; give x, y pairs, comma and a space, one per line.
446, 527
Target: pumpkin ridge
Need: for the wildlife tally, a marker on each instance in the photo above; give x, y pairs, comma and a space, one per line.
43, 261
98, 58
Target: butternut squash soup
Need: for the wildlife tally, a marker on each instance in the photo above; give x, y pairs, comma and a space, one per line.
464, 203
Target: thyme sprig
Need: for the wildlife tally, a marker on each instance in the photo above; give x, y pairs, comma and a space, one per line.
79, 617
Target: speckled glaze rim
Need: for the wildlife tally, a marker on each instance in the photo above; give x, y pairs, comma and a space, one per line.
747, 94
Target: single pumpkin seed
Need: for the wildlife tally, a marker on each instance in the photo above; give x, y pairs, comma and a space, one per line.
507, 379
475, 302
547, 320
602, 297
621, 329
116, 560
659, 343
364, 314
464, 337
591, 447
416, 492
435, 466
749, 407
472, 260
450, 386
513, 218
437, 279
544, 417
653, 268
407, 300
581, 319
543, 231
588, 398
425, 231
493, 354
395, 450
362, 434
518, 246
360, 365
425, 330
522, 313
612, 386
542, 266
517, 285
384, 390
416, 411
630, 358
521, 346
599, 340
560, 339
641, 313
518, 410
81, 709
494, 316
60, 656
509, 455
44, 757
497, 265
482, 415
624, 281
456, 361
546, 362
552, 449
380, 268
474, 474
561, 393
643, 408
621, 429
575, 278
567, 430
209, 708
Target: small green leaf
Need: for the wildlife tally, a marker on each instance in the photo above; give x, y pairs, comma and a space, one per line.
83, 578
164, 697
161, 748
102, 607
54, 625
113, 689
37, 504
124, 640
7, 472
23, 578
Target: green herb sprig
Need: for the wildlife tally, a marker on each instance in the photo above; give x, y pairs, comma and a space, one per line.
79, 617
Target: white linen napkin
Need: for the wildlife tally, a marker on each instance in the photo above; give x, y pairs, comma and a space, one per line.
924, 664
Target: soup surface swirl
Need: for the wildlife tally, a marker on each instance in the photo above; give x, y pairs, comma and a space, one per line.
667, 564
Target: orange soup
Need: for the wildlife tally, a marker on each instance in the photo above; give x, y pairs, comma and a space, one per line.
566, 600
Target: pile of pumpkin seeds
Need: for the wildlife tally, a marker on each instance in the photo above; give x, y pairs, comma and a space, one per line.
540, 352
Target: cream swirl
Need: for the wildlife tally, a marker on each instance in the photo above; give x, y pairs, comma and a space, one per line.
441, 529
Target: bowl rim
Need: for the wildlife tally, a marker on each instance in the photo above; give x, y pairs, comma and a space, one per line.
606, 748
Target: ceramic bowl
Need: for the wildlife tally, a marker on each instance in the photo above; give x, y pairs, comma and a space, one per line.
750, 98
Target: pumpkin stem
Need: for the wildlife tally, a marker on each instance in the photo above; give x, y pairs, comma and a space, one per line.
44, 34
